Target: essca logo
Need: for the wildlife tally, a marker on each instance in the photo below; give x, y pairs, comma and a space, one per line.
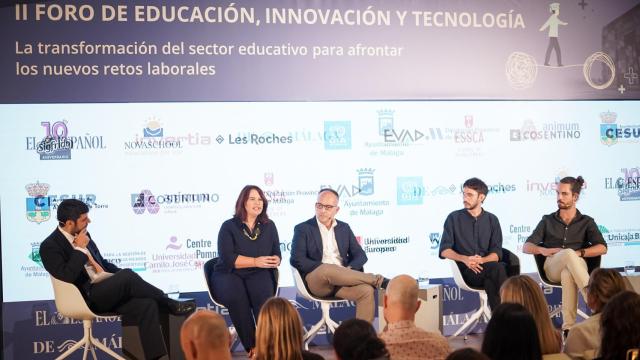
410, 190
337, 135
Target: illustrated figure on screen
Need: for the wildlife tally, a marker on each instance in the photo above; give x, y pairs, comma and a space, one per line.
403, 338
330, 259
552, 23
69, 254
244, 276
472, 237
566, 237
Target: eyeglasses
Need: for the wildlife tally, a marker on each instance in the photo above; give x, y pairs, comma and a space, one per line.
321, 206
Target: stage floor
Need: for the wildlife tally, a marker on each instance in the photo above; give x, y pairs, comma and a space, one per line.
458, 342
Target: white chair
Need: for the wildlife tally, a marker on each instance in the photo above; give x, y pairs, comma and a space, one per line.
482, 312
325, 305
71, 304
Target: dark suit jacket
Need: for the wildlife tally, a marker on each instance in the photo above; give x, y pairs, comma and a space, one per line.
306, 249
65, 263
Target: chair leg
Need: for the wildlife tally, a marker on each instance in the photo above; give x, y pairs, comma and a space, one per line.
555, 312
82, 342
472, 320
312, 333
483, 311
331, 325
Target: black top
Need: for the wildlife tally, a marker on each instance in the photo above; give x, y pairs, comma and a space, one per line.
468, 236
580, 233
232, 241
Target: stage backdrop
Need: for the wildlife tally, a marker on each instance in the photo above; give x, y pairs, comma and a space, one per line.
156, 115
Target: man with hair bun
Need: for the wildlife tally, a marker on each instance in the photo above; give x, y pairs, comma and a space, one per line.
565, 238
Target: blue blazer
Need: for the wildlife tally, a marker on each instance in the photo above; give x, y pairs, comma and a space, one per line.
306, 248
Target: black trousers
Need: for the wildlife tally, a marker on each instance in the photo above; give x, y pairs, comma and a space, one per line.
138, 302
491, 277
243, 294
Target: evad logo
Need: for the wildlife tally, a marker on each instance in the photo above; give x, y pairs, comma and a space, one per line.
337, 135
38, 203
410, 190
144, 201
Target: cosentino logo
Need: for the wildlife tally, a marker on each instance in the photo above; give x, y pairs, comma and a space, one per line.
57, 144
266, 138
145, 201
382, 244
547, 132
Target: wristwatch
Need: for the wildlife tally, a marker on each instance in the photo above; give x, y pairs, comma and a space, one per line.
582, 253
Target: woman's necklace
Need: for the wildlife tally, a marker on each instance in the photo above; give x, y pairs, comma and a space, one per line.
255, 235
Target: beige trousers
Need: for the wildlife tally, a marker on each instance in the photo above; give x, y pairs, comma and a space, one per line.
570, 270
353, 285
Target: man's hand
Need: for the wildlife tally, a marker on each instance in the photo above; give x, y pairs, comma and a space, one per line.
549, 252
81, 240
474, 263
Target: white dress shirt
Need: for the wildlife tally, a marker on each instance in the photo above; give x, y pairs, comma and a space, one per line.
330, 252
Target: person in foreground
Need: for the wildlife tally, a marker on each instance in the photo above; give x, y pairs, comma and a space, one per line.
245, 276
467, 354
511, 334
69, 254
330, 260
473, 239
204, 335
565, 238
356, 339
620, 326
523, 290
403, 339
279, 333
583, 340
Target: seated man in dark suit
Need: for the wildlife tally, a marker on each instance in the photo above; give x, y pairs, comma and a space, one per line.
69, 254
331, 261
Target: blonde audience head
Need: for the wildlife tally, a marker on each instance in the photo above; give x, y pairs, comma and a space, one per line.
279, 331
525, 291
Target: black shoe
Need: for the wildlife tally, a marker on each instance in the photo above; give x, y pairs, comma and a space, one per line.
176, 307
385, 283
